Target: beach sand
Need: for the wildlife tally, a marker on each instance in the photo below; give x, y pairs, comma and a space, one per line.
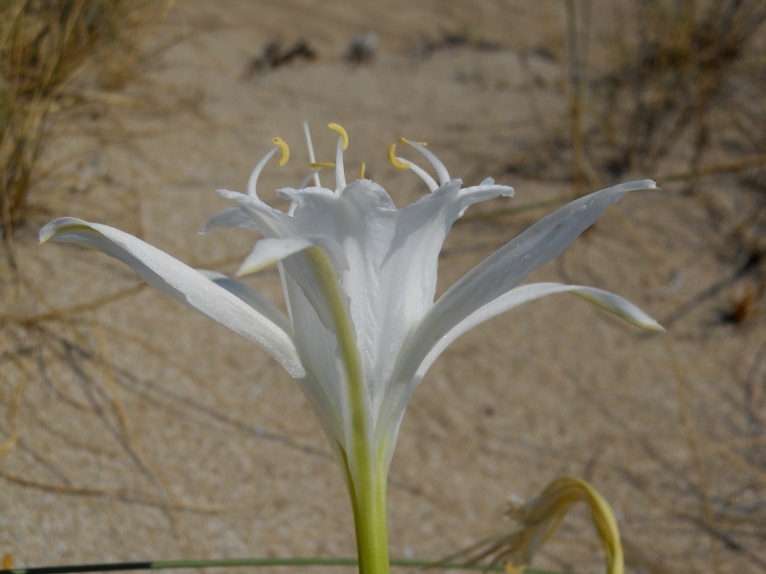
147, 432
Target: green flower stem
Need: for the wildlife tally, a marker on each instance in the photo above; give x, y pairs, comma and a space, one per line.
366, 479
369, 505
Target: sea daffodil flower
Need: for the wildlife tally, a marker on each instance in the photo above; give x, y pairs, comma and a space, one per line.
359, 279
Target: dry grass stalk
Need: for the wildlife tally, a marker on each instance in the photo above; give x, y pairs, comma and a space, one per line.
578, 34
676, 75
43, 47
537, 521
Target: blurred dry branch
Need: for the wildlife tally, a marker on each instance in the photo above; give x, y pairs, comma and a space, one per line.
679, 80
689, 57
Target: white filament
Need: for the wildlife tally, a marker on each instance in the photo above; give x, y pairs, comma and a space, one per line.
251, 183
312, 157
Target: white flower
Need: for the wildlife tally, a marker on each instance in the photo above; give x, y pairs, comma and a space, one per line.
359, 277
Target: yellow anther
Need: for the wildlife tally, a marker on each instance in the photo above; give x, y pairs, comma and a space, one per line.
280, 143
341, 132
321, 164
361, 171
407, 142
393, 160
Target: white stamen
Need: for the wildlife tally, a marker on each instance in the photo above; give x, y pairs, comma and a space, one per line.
438, 165
257, 171
305, 181
340, 176
423, 174
312, 157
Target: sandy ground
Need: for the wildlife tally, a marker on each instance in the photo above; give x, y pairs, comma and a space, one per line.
147, 432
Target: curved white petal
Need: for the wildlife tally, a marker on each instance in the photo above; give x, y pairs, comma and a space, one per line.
324, 383
302, 194
618, 306
250, 296
271, 222
606, 300
300, 267
413, 367
489, 281
508, 266
411, 260
230, 217
270, 251
267, 252
182, 283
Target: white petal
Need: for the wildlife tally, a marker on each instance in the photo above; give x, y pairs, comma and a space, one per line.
182, 283
271, 222
230, 217
618, 306
413, 366
400, 260
311, 195
608, 301
494, 279
420, 232
507, 267
267, 252
270, 251
324, 383
299, 266
250, 296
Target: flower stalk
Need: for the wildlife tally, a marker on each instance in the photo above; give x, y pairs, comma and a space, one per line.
368, 501
365, 479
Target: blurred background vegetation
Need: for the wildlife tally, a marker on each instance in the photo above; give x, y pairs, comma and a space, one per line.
57, 57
